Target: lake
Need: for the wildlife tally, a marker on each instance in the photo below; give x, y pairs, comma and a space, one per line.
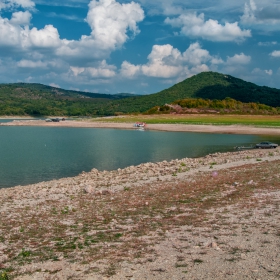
35, 154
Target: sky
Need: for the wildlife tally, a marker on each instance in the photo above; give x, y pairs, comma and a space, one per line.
141, 46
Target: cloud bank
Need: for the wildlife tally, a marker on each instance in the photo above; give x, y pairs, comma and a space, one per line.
194, 25
165, 61
263, 14
111, 26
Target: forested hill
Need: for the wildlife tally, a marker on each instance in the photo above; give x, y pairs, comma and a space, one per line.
207, 85
36, 99
33, 90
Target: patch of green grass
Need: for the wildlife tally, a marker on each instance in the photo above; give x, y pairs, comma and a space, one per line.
24, 253
118, 235
65, 210
181, 265
185, 201
198, 261
256, 120
4, 275
231, 260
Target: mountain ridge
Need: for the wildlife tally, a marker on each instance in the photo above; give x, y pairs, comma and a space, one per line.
38, 99
207, 85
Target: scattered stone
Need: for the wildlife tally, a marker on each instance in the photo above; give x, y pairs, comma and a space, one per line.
213, 245
89, 189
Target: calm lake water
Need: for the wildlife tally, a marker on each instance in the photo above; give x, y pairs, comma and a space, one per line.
35, 154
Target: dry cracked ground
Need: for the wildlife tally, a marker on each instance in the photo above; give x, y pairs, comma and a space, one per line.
207, 220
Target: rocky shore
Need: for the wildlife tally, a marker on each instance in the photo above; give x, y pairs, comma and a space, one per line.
98, 182
151, 221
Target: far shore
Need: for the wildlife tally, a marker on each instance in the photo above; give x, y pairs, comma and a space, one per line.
223, 129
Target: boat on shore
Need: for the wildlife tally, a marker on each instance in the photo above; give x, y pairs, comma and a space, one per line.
140, 125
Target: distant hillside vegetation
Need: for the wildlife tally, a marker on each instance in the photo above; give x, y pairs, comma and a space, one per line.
36, 99
225, 106
206, 85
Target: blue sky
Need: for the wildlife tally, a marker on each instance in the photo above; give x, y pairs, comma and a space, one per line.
140, 46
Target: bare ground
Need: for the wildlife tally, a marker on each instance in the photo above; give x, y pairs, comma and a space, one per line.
215, 217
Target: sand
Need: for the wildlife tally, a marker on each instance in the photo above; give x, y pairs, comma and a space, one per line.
229, 129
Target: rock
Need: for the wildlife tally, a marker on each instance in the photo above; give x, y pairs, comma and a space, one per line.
89, 189
104, 192
213, 245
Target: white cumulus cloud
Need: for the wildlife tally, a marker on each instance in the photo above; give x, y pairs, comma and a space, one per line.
267, 44
110, 20
194, 25
259, 73
168, 62
48, 37
129, 70
12, 35
268, 72
266, 13
275, 54
111, 23
26, 4
24, 63
195, 55
21, 18
54, 85
103, 70
239, 59
165, 61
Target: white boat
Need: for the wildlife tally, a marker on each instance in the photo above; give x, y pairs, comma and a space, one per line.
140, 124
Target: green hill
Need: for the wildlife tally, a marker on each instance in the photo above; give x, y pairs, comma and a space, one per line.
36, 99
206, 85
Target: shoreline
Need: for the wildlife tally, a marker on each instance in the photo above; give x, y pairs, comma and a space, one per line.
220, 129
57, 229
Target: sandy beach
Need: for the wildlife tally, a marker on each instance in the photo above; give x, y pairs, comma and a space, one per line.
232, 129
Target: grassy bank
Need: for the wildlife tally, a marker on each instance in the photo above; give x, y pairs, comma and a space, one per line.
256, 120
